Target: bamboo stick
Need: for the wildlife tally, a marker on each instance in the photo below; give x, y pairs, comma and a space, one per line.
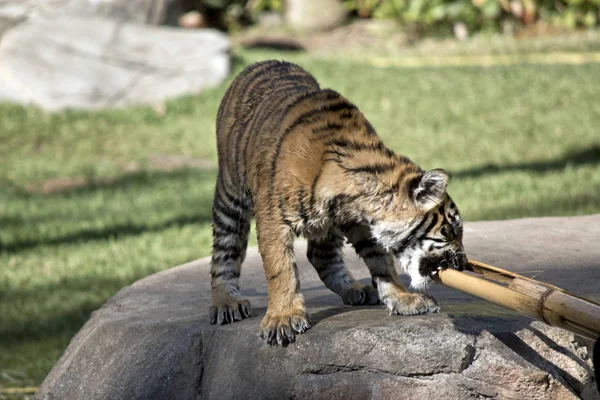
535, 299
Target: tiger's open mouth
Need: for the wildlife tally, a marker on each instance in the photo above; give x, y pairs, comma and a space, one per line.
431, 265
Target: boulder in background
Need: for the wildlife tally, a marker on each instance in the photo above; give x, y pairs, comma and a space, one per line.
314, 15
93, 63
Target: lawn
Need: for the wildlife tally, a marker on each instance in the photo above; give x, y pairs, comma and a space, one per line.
91, 202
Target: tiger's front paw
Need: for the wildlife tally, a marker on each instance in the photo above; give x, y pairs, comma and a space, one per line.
411, 304
228, 309
281, 328
365, 295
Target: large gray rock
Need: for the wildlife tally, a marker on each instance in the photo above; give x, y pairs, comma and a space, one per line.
153, 341
12, 13
95, 63
154, 12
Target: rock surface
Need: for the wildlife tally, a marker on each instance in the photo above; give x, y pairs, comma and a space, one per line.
93, 63
152, 340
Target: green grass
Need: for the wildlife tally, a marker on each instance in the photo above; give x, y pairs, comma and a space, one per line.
518, 141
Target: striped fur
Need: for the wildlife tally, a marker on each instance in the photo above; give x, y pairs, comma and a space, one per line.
305, 161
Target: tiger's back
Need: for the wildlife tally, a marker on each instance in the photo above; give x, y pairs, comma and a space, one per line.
255, 103
307, 162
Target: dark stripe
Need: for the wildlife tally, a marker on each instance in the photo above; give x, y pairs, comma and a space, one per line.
313, 188
348, 226
301, 207
351, 145
413, 183
417, 227
414, 236
231, 249
329, 96
363, 244
322, 108
325, 253
225, 184
335, 237
220, 198
307, 116
373, 254
396, 184
220, 227
370, 129
275, 275
331, 269
224, 226
220, 258
434, 221
227, 211
243, 203
282, 208
332, 159
346, 114
329, 128
407, 240
224, 105
225, 274
336, 153
261, 69
371, 169
403, 172
344, 198
415, 232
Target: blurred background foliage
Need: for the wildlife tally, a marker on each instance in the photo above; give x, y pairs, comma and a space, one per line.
439, 16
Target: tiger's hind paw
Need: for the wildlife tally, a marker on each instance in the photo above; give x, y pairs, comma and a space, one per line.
231, 310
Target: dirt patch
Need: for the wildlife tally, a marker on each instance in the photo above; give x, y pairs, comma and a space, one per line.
155, 162
356, 35
167, 162
61, 185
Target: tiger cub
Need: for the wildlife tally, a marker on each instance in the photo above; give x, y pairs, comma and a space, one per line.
305, 161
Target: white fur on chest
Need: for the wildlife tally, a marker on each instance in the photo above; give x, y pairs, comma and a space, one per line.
389, 234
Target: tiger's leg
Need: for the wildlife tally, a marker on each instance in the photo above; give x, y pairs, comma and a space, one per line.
231, 225
326, 255
286, 314
392, 292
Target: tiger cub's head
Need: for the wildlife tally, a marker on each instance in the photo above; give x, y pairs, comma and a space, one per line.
423, 229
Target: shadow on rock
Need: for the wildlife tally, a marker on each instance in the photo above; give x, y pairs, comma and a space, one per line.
560, 354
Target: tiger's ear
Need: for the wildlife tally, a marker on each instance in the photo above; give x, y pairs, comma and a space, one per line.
431, 189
